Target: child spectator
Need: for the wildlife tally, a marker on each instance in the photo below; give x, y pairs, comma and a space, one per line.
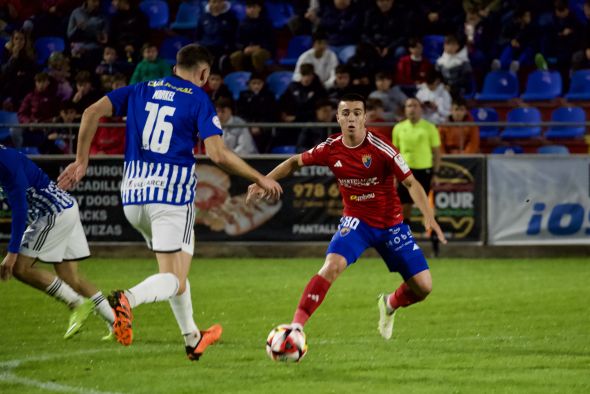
323, 59
254, 40
129, 26
392, 98
413, 68
237, 139
216, 89
217, 27
311, 136
564, 36
58, 68
85, 94
459, 139
435, 99
519, 36
258, 104
302, 95
61, 143
87, 32
18, 71
375, 115
455, 67
151, 67
342, 84
109, 67
342, 22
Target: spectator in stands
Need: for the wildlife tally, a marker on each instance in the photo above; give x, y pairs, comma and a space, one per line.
58, 141
109, 67
364, 62
386, 28
413, 68
303, 94
311, 136
129, 26
119, 81
342, 22
110, 140
324, 60
518, 36
254, 40
392, 98
87, 32
58, 68
581, 58
51, 19
482, 7
237, 139
375, 114
18, 70
455, 67
151, 67
481, 39
342, 84
563, 37
435, 98
216, 89
216, 29
459, 139
440, 17
85, 94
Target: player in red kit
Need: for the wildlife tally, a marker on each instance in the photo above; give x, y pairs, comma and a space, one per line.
365, 167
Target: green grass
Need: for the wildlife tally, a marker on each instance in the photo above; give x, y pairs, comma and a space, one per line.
489, 326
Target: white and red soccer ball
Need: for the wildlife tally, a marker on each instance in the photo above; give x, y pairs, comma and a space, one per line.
284, 343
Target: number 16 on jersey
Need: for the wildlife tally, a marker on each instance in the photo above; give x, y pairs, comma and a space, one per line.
157, 132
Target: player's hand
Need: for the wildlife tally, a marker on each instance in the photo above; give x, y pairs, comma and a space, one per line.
271, 188
7, 266
431, 224
72, 175
255, 193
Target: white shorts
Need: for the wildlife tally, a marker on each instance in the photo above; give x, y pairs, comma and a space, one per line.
166, 228
55, 238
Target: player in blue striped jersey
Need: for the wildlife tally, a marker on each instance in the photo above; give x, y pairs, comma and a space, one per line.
165, 118
54, 235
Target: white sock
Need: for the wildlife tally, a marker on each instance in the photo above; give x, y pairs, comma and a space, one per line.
182, 307
158, 287
103, 308
62, 291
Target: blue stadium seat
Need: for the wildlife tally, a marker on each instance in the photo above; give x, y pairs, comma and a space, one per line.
499, 86
156, 11
187, 16
278, 82
284, 149
344, 53
433, 47
579, 86
239, 10
170, 47
528, 115
45, 45
554, 150
278, 13
8, 118
237, 82
508, 150
486, 114
542, 85
297, 45
567, 114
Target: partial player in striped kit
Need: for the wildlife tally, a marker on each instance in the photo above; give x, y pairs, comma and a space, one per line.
165, 118
365, 167
54, 235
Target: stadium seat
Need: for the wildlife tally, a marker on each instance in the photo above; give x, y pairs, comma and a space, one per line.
7, 118
237, 82
579, 86
567, 114
486, 114
156, 11
45, 45
345, 53
542, 85
284, 149
278, 13
433, 47
499, 86
187, 16
239, 10
528, 115
297, 45
554, 150
507, 150
278, 82
170, 47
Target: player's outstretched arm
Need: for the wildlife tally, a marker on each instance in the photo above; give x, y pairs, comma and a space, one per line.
283, 170
74, 172
421, 200
230, 162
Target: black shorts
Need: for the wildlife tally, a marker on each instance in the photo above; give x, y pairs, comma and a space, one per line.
424, 177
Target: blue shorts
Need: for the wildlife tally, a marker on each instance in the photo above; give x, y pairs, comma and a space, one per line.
396, 245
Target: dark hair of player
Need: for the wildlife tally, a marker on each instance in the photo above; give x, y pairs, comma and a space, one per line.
350, 97
192, 55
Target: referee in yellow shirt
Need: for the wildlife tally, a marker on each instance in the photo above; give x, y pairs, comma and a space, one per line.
419, 143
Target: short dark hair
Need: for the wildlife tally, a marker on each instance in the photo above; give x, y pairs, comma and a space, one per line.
452, 39
192, 55
432, 76
319, 35
42, 76
459, 101
307, 69
374, 103
354, 97
224, 102
83, 77
254, 2
342, 69
323, 102
413, 42
384, 75
66, 105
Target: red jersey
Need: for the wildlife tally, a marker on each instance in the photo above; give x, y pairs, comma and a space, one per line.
365, 177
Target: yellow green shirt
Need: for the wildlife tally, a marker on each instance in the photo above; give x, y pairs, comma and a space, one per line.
415, 142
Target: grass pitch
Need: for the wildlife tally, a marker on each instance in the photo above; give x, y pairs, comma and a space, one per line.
519, 326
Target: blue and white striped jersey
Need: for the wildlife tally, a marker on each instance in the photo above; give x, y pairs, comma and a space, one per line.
165, 118
30, 193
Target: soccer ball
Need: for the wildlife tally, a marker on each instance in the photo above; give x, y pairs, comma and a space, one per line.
286, 344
